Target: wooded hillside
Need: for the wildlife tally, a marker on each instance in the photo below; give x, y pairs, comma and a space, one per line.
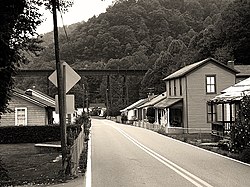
158, 35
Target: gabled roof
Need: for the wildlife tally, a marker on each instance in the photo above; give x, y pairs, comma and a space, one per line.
192, 67
36, 97
134, 105
155, 100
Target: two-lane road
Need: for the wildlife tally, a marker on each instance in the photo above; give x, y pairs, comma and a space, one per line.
123, 155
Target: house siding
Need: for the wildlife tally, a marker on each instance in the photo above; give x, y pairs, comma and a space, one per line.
36, 115
196, 93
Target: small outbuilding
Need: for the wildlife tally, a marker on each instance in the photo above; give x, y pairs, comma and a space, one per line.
30, 107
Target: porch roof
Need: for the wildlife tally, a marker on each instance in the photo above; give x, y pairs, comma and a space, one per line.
153, 101
134, 105
166, 103
235, 92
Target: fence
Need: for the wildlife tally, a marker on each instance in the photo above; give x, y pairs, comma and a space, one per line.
76, 150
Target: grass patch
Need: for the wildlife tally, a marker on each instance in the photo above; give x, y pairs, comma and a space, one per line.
25, 165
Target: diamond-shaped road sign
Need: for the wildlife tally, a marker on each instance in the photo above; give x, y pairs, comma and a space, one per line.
71, 77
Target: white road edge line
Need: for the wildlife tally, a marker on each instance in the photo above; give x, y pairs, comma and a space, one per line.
211, 152
88, 172
182, 172
232, 159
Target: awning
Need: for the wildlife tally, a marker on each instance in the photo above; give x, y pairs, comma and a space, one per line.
234, 93
166, 103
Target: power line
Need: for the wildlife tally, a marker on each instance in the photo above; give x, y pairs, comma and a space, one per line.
66, 34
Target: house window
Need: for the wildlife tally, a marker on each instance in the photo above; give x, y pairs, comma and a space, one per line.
174, 87
210, 84
169, 88
211, 112
180, 86
21, 116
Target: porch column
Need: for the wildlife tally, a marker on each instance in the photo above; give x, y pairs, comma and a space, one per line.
212, 112
223, 117
231, 115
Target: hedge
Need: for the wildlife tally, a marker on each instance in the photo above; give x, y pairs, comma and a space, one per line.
34, 134
29, 134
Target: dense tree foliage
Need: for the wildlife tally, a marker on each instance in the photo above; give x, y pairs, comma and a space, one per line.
240, 133
18, 23
158, 35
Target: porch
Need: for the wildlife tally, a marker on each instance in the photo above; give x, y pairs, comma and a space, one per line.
222, 129
223, 114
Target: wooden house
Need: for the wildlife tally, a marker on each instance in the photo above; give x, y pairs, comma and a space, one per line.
131, 111
30, 107
142, 110
185, 108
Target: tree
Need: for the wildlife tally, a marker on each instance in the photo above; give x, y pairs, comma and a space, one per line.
240, 133
15, 27
235, 30
19, 19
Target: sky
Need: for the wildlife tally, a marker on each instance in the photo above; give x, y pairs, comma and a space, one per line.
81, 10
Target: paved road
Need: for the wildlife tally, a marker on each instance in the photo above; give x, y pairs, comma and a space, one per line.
124, 155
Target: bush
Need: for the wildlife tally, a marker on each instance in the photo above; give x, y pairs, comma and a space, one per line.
245, 155
35, 134
29, 134
240, 133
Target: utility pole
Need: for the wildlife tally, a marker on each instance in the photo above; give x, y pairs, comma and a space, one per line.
61, 79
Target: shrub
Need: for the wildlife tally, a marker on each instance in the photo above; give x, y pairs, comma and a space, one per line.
245, 155
29, 134
35, 134
240, 133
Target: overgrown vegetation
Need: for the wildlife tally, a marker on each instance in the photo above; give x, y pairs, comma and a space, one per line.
157, 35
240, 134
18, 23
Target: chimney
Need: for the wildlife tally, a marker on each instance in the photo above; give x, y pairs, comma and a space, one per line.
230, 64
150, 96
150, 93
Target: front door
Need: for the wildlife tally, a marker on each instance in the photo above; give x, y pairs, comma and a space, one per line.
20, 116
